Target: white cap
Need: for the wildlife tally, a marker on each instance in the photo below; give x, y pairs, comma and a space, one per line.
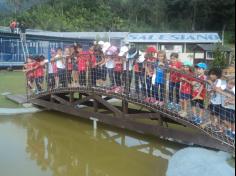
123, 50
101, 43
106, 46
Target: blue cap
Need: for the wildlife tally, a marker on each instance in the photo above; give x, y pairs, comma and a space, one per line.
202, 65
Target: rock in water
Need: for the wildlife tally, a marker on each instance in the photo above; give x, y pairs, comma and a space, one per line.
199, 162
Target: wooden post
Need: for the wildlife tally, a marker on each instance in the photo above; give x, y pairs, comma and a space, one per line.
95, 106
72, 98
125, 107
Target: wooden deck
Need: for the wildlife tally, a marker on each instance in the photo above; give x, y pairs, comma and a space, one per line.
19, 99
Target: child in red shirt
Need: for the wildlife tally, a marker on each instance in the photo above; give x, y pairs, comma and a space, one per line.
39, 72
82, 60
185, 88
174, 83
28, 69
199, 93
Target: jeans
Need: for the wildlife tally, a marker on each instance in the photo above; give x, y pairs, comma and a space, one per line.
82, 78
93, 77
173, 86
118, 78
150, 87
39, 82
139, 79
51, 81
130, 78
62, 77
111, 76
159, 95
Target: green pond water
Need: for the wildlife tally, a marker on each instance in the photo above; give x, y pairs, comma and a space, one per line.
55, 144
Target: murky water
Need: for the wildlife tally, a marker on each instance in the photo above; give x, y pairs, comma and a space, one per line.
54, 144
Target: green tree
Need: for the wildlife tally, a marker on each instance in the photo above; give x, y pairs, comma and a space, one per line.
219, 58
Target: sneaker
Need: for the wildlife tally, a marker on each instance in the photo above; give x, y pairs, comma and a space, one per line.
194, 118
184, 114
147, 100
232, 136
198, 121
170, 106
152, 100
156, 102
180, 112
161, 103
177, 107
228, 133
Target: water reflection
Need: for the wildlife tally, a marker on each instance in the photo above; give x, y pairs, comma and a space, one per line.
71, 148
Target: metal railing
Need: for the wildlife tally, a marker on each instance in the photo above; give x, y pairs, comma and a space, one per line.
107, 74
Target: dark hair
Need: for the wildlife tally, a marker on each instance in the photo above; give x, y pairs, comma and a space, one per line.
59, 48
79, 46
215, 71
175, 55
41, 57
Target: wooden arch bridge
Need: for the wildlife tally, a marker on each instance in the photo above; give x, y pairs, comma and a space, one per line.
125, 109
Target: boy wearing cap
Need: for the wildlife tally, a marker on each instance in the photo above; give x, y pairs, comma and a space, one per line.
199, 93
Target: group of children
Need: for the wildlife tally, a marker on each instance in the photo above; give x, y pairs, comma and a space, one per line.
154, 75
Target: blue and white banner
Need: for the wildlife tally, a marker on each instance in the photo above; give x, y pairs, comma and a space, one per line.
174, 38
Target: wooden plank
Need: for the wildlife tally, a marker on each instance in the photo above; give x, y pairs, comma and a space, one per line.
108, 105
159, 131
61, 100
155, 116
19, 99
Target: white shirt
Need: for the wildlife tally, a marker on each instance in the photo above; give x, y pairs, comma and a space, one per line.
50, 68
216, 97
110, 64
60, 64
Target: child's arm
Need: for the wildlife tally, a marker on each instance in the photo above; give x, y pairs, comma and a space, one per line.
199, 93
222, 92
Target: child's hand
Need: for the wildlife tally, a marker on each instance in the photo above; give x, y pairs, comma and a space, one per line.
230, 101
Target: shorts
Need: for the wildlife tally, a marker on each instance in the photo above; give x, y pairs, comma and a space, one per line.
184, 96
199, 102
215, 109
227, 115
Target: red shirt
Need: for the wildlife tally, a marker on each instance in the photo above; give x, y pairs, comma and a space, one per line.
29, 66
118, 65
39, 71
198, 84
151, 65
175, 76
93, 58
186, 88
83, 57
